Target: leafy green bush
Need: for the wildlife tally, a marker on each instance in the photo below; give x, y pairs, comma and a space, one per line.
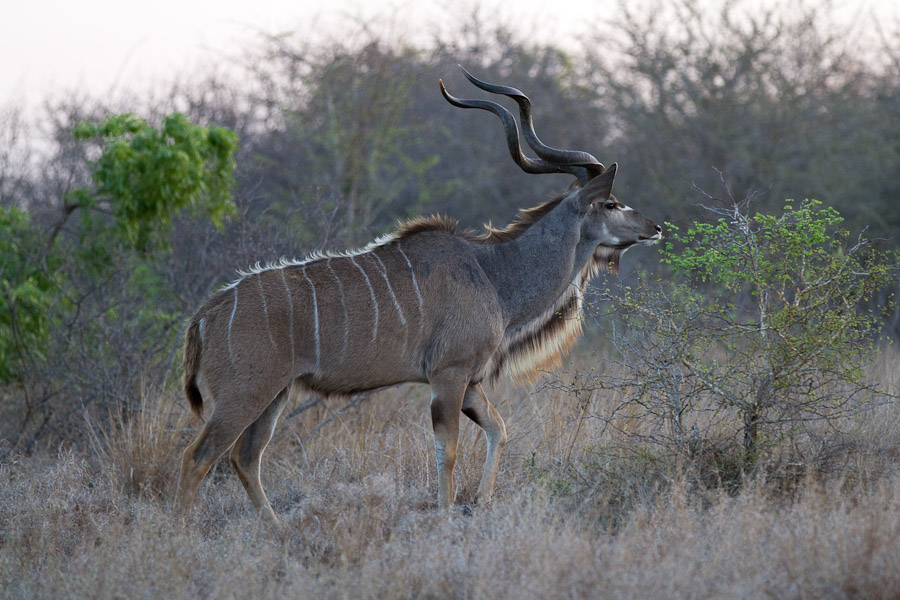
764, 326
145, 175
28, 290
85, 306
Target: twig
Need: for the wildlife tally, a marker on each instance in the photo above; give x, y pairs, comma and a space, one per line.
356, 401
302, 408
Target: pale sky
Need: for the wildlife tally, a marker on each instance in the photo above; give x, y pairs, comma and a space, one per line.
100, 46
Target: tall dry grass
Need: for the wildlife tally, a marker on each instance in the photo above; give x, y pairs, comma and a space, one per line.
582, 509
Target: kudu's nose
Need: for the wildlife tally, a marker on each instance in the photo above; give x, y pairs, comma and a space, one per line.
658, 229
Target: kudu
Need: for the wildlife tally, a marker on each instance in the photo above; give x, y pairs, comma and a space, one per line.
426, 303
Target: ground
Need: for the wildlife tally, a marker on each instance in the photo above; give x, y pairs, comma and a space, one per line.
581, 509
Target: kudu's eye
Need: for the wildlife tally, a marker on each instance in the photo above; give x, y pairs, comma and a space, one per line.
610, 205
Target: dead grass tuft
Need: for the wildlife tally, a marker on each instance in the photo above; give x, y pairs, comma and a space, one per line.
139, 448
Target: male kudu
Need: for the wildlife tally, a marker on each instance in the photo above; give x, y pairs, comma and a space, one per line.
426, 303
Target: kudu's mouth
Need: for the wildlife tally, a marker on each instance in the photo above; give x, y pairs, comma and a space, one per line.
642, 240
649, 241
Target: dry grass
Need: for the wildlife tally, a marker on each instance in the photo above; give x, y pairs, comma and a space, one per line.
582, 509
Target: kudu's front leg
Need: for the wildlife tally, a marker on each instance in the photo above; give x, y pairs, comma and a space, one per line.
447, 393
478, 408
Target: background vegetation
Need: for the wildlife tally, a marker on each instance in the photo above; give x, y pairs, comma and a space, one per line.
728, 427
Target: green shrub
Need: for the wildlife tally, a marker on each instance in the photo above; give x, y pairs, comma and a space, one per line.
765, 325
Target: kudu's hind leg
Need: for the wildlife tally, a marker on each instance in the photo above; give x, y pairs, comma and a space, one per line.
446, 402
217, 436
246, 455
478, 408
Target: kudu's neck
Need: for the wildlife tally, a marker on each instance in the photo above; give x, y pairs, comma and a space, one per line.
533, 270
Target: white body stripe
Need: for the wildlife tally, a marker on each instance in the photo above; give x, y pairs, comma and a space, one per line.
412, 273
287, 290
343, 305
230, 323
315, 321
384, 276
383, 271
372, 294
262, 295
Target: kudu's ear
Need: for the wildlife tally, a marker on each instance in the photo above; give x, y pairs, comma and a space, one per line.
599, 187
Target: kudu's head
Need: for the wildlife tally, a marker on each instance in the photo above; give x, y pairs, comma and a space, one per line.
608, 227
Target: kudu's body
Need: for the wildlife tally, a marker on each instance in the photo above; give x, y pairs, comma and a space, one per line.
423, 304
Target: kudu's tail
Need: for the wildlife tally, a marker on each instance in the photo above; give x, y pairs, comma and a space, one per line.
192, 348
